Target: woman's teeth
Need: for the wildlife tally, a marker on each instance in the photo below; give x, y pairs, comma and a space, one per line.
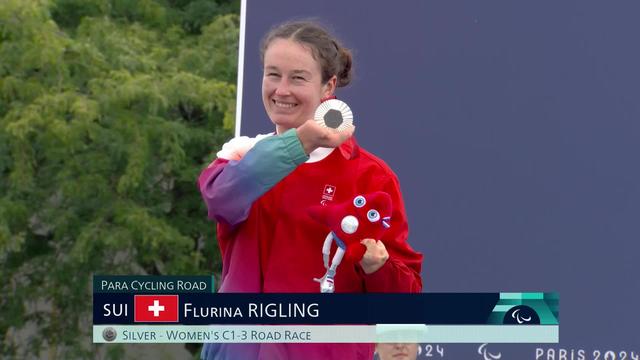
283, 105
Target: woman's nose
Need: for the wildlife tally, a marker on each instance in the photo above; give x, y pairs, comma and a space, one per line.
283, 88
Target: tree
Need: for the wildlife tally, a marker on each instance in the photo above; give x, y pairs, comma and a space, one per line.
109, 109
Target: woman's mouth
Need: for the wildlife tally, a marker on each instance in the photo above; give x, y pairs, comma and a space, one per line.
284, 105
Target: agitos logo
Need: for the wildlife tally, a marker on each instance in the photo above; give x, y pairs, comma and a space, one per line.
155, 308
521, 315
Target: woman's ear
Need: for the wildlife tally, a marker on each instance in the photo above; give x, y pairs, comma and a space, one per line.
330, 87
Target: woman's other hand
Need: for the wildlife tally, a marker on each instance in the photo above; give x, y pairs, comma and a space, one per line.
374, 257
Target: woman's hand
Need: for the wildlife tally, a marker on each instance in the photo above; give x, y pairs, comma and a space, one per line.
375, 256
312, 136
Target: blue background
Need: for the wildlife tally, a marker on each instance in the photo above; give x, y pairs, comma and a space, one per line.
513, 127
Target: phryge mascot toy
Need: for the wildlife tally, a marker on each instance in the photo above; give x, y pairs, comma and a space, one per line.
365, 216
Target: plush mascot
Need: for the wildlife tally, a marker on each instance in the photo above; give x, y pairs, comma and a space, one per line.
365, 216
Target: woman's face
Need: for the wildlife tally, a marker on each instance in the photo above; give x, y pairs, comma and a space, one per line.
292, 84
397, 351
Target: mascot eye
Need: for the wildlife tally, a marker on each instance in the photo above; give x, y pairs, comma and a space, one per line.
359, 201
373, 215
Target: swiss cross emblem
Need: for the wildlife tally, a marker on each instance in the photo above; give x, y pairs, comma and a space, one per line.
155, 308
329, 192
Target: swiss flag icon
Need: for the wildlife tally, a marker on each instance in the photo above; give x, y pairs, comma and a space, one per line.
329, 190
155, 308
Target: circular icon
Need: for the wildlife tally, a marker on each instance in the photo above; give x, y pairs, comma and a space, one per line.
521, 315
109, 334
334, 114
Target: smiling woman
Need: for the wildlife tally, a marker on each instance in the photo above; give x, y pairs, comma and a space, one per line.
292, 86
260, 191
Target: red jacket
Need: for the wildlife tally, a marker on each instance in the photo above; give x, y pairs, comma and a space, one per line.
270, 244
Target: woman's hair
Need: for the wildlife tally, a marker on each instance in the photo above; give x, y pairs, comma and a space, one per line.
334, 59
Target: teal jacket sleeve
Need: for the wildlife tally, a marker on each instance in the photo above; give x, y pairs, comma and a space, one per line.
229, 187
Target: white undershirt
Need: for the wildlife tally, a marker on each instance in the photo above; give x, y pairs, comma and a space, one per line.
319, 154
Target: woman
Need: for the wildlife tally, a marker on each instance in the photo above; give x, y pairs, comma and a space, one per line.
259, 190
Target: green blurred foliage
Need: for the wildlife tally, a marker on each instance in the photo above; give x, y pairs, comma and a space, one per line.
109, 109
